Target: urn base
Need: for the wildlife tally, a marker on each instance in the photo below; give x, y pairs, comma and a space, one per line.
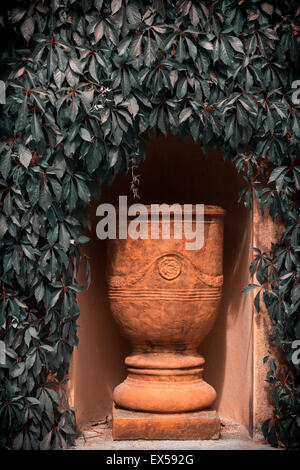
164, 382
134, 425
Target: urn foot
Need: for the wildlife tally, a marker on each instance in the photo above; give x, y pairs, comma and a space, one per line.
164, 383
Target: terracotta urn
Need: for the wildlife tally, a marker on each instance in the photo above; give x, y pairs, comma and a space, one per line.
165, 299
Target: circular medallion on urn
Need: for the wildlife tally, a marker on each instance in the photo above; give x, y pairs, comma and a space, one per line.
169, 267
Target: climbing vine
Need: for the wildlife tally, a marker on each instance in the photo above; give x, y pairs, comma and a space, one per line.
88, 82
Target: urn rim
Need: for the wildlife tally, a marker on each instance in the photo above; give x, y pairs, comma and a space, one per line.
209, 209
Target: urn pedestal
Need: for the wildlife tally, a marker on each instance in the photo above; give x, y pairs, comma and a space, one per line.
165, 299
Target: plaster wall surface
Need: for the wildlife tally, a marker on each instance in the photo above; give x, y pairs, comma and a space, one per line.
266, 231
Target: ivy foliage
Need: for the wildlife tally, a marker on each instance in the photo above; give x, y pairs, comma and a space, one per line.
88, 82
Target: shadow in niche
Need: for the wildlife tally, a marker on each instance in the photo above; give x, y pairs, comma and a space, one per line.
177, 171
99, 365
